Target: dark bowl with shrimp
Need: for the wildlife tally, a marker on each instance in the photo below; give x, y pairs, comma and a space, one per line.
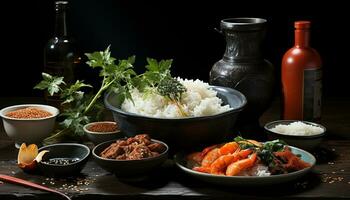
130, 166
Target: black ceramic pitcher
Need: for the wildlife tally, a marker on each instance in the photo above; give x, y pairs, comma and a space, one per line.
244, 68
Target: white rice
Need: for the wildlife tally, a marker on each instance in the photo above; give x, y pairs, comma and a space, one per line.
256, 170
198, 100
298, 129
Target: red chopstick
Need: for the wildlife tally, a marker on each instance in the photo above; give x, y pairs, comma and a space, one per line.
19, 181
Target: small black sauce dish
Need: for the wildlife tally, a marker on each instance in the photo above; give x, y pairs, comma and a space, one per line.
64, 159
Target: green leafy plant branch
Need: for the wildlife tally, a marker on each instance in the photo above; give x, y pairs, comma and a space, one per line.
120, 78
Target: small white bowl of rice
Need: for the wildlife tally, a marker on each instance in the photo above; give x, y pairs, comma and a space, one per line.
302, 134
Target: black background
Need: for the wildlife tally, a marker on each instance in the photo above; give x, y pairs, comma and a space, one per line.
182, 30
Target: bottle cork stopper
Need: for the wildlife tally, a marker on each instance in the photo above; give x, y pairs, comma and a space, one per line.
302, 24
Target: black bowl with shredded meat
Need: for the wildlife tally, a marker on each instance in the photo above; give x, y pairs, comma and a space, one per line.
134, 148
131, 158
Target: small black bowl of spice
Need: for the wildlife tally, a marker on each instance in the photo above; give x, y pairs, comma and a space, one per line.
64, 159
98, 132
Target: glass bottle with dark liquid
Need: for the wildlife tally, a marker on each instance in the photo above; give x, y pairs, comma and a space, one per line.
60, 57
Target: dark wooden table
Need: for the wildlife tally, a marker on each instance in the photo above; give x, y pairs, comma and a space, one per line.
330, 179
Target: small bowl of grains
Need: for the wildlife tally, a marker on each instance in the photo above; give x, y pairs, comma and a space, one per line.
29, 123
303, 134
103, 131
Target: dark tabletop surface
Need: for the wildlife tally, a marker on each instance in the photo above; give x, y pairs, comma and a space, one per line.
330, 179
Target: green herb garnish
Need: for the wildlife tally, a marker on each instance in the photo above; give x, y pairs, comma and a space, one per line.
265, 151
159, 80
118, 76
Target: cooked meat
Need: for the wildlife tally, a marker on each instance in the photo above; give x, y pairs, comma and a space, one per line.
121, 157
140, 152
143, 138
154, 154
122, 142
140, 139
134, 148
112, 151
157, 147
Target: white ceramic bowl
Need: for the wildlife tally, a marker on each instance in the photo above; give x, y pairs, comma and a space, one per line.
30, 131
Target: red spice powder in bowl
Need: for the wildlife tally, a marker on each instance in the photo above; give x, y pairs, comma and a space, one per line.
28, 113
99, 132
103, 127
29, 123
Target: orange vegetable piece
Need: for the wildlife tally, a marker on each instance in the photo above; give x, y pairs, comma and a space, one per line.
28, 157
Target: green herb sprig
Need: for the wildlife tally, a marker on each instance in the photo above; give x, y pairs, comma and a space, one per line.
78, 104
118, 76
159, 80
265, 151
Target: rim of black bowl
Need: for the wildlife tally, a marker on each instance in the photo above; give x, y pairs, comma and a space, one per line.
143, 159
277, 122
239, 94
67, 144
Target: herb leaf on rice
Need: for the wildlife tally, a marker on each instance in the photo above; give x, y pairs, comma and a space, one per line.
158, 79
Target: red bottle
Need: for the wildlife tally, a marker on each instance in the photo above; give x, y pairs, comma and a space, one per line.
301, 78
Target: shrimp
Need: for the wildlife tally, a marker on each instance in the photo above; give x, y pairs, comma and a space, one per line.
195, 157
212, 153
202, 169
207, 149
229, 147
220, 164
215, 153
236, 167
210, 157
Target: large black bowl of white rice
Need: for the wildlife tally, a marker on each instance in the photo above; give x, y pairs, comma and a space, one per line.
211, 113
